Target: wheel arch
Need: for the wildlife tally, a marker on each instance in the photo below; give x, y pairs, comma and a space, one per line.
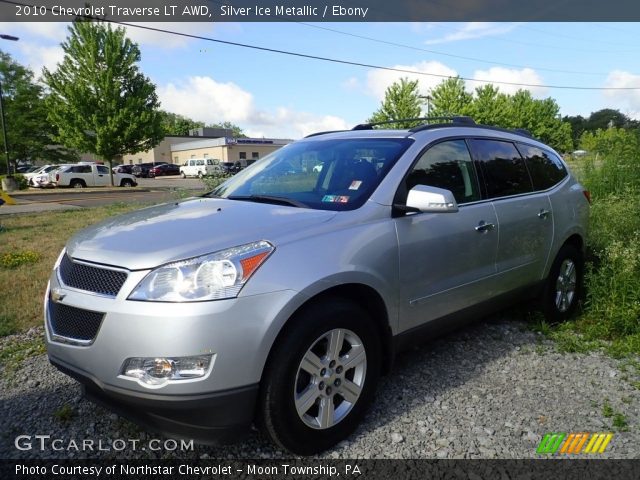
362, 295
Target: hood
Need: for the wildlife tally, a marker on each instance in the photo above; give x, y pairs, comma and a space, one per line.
157, 235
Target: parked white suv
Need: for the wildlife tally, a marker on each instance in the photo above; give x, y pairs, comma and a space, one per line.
281, 296
90, 175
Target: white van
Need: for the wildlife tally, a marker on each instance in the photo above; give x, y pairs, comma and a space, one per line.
199, 167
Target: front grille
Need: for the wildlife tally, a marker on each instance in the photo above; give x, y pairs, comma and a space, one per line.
74, 323
90, 278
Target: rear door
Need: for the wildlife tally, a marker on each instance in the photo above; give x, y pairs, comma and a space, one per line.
447, 260
525, 225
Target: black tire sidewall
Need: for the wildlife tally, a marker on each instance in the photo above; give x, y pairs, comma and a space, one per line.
549, 307
278, 413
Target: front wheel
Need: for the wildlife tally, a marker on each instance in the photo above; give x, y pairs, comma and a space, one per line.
126, 183
563, 288
321, 377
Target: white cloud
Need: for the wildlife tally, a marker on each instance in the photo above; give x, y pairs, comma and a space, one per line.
205, 99
38, 56
473, 30
56, 31
514, 75
202, 98
628, 101
351, 83
379, 80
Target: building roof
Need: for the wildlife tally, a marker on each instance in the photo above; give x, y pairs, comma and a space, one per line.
228, 141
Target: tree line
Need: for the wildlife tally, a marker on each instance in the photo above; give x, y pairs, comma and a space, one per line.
487, 105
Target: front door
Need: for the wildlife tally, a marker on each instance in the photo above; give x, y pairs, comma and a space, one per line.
447, 260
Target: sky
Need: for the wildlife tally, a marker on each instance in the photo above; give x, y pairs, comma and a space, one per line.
275, 95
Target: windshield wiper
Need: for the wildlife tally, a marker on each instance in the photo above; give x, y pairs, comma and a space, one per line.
269, 199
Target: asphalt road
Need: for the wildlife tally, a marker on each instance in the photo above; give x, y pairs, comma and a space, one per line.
152, 190
95, 199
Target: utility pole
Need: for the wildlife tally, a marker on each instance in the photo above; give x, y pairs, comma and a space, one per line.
4, 122
428, 99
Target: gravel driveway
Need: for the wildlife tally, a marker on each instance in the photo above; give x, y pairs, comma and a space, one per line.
489, 391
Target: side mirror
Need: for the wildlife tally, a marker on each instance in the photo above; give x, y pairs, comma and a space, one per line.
431, 199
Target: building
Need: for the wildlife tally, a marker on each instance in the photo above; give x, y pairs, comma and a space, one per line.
207, 143
227, 149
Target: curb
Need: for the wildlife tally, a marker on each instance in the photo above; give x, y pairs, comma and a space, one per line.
67, 191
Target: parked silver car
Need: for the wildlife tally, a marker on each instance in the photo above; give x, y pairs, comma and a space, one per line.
280, 297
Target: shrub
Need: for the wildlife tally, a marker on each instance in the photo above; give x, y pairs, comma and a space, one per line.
22, 181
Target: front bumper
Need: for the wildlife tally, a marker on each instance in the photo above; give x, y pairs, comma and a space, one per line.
238, 334
214, 418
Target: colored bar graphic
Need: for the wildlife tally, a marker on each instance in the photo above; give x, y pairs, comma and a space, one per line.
598, 442
551, 442
573, 443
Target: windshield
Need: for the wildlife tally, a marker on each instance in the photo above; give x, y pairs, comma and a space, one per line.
321, 174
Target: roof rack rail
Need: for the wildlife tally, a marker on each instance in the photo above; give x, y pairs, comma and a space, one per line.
458, 120
523, 131
326, 132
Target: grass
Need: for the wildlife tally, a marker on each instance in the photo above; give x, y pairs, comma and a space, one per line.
618, 420
29, 246
65, 413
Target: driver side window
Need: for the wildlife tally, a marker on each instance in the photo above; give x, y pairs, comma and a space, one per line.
447, 165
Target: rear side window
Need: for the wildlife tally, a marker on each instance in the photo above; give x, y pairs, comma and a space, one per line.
503, 169
102, 169
81, 169
545, 167
447, 165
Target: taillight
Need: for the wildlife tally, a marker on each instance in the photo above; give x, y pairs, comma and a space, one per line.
57, 177
587, 195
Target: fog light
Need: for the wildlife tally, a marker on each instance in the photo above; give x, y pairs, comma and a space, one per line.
153, 371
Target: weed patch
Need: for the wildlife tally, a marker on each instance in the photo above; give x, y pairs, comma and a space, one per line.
16, 259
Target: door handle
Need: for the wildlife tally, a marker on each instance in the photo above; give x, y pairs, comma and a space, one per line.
484, 227
543, 213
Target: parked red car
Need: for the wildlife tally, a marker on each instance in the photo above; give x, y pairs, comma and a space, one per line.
165, 169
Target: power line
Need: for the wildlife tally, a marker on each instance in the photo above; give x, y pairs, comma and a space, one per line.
343, 62
435, 52
360, 64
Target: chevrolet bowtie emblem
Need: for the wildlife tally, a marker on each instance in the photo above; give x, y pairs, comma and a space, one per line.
57, 295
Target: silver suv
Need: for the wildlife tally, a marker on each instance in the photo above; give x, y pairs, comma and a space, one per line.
281, 296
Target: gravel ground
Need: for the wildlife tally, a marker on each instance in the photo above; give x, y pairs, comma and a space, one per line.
489, 391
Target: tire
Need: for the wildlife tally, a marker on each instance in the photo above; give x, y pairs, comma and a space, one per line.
77, 184
200, 175
126, 183
332, 399
563, 288
184, 175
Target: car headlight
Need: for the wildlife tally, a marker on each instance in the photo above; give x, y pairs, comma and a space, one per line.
214, 276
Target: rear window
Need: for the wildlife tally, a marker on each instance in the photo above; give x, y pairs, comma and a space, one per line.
545, 167
503, 169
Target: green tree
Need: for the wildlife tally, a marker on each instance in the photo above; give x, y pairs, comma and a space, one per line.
100, 101
541, 117
489, 106
174, 124
450, 97
401, 100
29, 133
237, 131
